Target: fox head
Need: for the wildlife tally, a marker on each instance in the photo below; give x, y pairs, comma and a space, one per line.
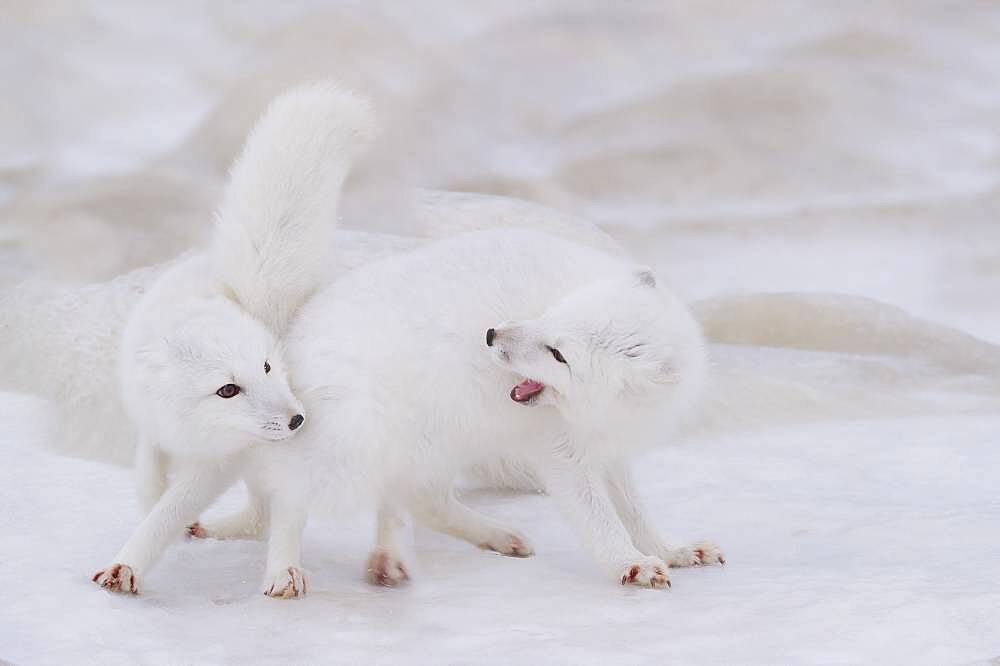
604, 350
217, 381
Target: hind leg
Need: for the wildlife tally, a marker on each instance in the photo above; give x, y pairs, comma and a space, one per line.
249, 523
445, 513
385, 565
644, 535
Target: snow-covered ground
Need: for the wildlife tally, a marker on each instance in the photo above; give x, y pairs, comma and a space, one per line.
755, 146
848, 543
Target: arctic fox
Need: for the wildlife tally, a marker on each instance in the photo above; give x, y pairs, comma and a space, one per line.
201, 370
505, 344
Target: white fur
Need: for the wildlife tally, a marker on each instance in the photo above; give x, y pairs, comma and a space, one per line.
275, 223
211, 320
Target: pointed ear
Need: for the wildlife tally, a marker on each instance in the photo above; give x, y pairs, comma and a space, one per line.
644, 277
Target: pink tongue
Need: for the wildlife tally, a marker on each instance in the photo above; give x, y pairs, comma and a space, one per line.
525, 390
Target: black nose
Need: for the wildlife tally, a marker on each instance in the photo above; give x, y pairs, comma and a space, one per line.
490, 334
296, 421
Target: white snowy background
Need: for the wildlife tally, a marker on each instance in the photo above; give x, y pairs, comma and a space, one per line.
738, 147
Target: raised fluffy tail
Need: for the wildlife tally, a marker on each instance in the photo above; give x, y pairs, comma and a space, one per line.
275, 224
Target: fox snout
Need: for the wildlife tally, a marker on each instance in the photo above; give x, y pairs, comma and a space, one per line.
285, 414
294, 422
506, 332
491, 340
505, 339
282, 416
279, 428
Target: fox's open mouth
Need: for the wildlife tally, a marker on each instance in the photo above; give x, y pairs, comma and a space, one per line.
526, 391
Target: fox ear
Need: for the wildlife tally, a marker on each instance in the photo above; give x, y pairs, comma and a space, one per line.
644, 277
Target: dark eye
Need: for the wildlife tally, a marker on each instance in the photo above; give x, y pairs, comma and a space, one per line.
228, 391
557, 355
267, 367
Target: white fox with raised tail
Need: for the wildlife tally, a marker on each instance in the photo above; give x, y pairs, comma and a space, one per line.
200, 364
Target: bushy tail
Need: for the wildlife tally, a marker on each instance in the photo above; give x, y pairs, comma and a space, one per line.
275, 224
60, 342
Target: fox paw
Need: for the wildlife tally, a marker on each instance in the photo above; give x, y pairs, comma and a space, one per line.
237, 526
647, 572
196, 531
510, 544
385, 569
701, 554
117, 578
286, 584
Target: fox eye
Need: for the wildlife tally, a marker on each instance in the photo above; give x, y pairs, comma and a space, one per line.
228, 391
557, 355
267, 367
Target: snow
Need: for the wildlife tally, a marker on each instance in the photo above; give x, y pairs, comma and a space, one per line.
839, 551
850, 482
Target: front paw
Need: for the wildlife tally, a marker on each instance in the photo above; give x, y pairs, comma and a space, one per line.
701, 554
196, 531
385, 569
118, 578
510, 544
288, 583
646, 572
